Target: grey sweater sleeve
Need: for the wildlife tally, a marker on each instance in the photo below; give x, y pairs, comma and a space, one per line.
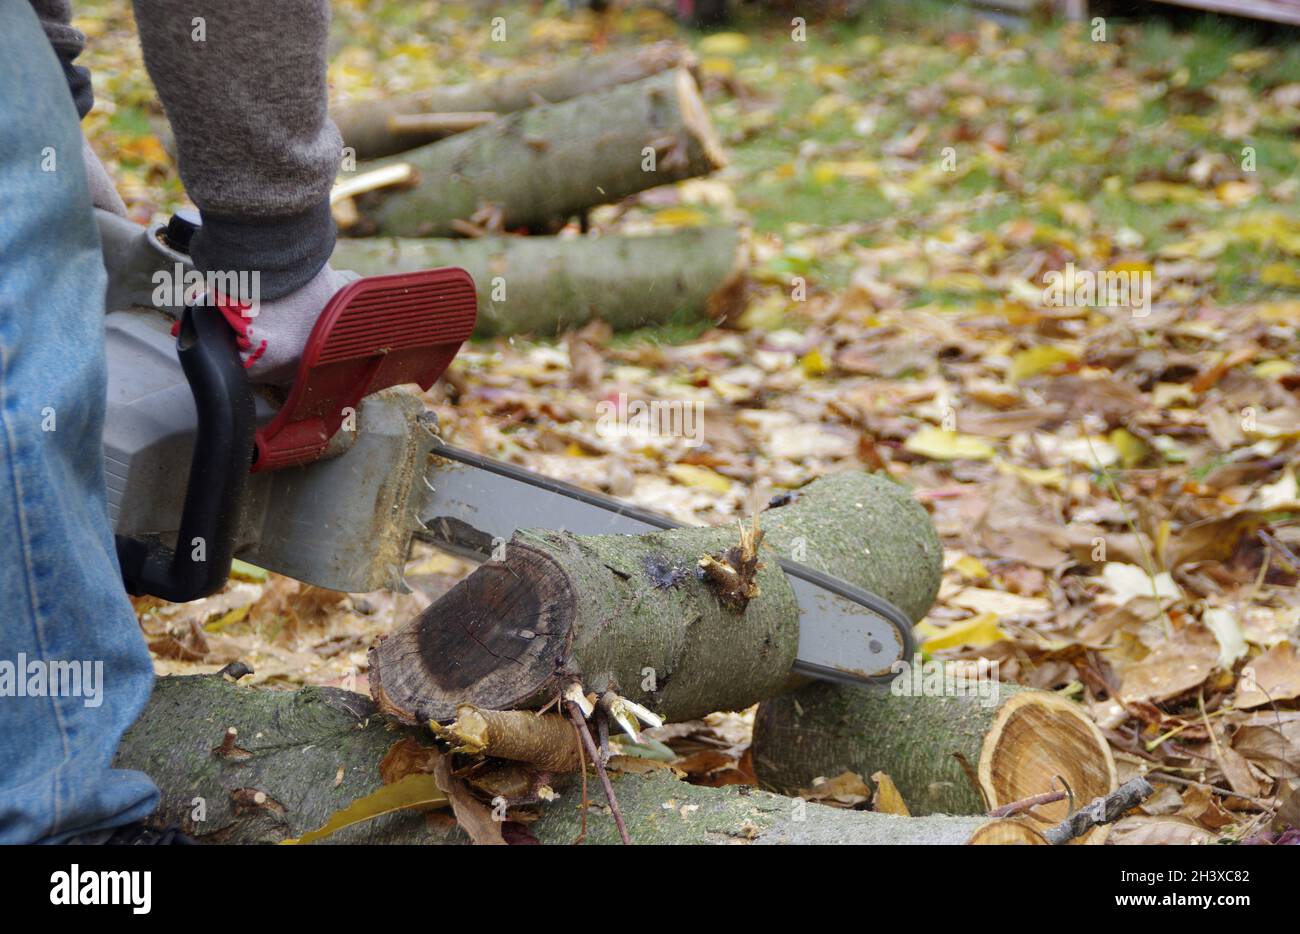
243, 83
56, 20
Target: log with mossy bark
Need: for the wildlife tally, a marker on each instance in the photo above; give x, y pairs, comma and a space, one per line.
544, 285
954, 747
539, 167
370, 127
631, 613
301, 756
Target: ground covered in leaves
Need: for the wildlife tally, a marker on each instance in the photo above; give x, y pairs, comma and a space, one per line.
1116, 490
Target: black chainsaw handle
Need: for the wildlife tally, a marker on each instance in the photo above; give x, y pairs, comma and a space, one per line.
223, 449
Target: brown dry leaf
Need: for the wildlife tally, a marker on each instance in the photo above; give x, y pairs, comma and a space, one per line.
286, 606
192, 646
1175, 667
1271, 740
406, 757
1236, 769
1006, 424
1269, 679
1200, 805
888, 799
474, 817
1212, 539
844, 790
1141, 830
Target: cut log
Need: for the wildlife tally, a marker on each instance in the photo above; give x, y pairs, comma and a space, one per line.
545, 285
630, 613
1016, 744
309, 753
369, 128
538, 167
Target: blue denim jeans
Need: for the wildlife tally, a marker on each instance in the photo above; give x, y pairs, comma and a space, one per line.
61, 596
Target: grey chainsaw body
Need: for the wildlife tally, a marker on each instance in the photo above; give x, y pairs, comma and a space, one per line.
345, 521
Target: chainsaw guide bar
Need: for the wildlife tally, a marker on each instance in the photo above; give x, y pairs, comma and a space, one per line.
846, 634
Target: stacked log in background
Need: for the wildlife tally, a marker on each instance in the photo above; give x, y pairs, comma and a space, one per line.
552, 144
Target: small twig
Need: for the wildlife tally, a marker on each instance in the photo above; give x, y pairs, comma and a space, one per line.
1104, 810
580, 722
235, 671
582, 768
1019, 807
228, 749
227, 742
1286, 554
602, 730
1217, 789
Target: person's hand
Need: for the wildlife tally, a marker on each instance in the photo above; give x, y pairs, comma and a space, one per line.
272, 335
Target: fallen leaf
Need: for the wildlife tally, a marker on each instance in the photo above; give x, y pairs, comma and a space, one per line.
415, 790
1000, 603
938, 444
844, 790
978, 631
1227, 632
1269, 679
1038, 360
1271, 740
888, 799
702, 477
1126, 581
1175, 667
1141, 830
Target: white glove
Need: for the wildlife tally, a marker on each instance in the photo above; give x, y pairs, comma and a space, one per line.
272, 336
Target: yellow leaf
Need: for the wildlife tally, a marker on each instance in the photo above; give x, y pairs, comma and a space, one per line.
966, 282
725, 43
1132, 450
1051, 477
970, 567
1272, 369
415, 790
1280, 312
1235, 193
938, 444
1283, 274
1253, 60
701, 477
228, 619
680, 217
1152, 192
813, 364
977, 632
243, 571
888, 799
729, 392
1039, 359
716, 67
824, 173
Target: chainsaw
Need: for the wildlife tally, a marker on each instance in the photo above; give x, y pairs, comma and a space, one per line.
330, 482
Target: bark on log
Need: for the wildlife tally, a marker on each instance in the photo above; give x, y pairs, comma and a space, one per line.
538, 167
367, 127
629, 613
298, 741
1017, 744
545, 285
